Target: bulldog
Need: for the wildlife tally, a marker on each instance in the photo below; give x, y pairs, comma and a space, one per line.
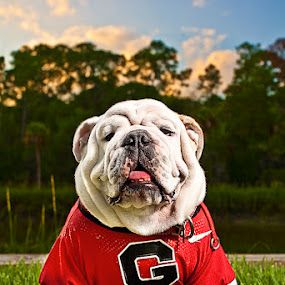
140, 216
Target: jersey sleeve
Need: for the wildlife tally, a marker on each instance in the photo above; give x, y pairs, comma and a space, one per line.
215, 269
63, 264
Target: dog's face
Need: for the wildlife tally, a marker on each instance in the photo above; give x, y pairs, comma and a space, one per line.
138, 166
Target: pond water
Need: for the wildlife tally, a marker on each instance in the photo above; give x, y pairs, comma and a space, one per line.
251, 236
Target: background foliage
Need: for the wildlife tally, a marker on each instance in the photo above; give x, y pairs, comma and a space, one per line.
47, 90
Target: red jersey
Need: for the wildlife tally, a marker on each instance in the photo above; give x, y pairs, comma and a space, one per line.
87, 252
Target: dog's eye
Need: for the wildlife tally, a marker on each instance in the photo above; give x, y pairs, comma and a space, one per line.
109, 137
167, 132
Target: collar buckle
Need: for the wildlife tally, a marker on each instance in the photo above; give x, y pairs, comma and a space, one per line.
181, 229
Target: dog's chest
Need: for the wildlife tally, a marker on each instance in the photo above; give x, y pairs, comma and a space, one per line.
89, 253
120, 257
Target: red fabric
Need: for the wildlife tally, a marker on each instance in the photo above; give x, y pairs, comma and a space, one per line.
88, 253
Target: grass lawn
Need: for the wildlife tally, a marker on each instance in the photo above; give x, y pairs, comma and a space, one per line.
20, 274
263, 273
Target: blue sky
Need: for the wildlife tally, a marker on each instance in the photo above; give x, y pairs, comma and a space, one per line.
255, 20
203, 31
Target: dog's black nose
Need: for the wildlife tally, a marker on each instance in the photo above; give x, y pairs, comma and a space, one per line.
137, 138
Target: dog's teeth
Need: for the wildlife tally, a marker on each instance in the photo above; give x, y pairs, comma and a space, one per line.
114, 201
139, 180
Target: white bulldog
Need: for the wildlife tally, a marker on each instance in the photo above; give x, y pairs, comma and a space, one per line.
138, 166
140, 217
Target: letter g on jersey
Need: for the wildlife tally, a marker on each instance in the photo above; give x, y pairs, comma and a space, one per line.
166, 272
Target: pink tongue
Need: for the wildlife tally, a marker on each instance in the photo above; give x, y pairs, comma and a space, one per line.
137, 175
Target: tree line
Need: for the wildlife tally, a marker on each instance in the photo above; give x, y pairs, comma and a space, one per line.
46, 91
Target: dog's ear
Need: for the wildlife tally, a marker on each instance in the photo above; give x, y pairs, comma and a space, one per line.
81, 136
194, 132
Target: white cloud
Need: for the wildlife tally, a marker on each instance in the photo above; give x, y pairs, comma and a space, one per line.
116, 38
9, 12
60, 7
200, 50
26, 19
198, 3
224, 61
201, 43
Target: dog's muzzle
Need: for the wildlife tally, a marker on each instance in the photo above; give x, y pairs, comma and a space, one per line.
141, 182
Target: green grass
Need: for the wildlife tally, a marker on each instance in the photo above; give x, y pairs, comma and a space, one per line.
263, 273
20, 274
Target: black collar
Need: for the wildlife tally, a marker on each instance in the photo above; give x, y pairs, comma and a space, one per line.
90, 217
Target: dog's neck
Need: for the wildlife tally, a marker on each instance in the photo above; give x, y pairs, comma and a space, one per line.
177, 229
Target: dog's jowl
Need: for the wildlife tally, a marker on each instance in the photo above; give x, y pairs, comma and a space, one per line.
140, 216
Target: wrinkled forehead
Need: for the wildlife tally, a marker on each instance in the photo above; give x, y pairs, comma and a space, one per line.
140, 111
